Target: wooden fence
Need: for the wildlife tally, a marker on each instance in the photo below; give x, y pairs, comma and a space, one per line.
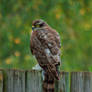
31, 81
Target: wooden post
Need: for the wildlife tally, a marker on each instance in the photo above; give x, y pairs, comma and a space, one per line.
33, 81
14, 81
81, 82
63, 84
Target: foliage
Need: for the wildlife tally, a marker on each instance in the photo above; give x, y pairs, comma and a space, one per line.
71, 18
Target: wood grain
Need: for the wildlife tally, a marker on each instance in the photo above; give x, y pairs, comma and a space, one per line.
31, 81
14, 81
63, 84
34, 81
81, 82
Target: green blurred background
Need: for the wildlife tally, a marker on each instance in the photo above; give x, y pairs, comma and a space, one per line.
71, 18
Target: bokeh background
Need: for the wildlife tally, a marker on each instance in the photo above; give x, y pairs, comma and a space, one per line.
71, 18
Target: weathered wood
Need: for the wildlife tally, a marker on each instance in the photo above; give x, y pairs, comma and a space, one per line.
87, 81
81, 82
76, 82
34, 81
1, 81
63, 84
31, 81
14, 81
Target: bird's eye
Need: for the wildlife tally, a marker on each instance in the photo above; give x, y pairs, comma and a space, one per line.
41, 25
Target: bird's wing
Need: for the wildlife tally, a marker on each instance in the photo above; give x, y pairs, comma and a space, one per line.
50, 41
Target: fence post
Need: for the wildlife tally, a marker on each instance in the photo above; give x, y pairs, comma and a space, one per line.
63, 84
33, 81
14, 81
81, 82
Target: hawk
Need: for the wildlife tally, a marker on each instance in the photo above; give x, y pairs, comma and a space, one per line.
45, 46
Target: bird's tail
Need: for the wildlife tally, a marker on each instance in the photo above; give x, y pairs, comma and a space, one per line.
53, 70
48, 83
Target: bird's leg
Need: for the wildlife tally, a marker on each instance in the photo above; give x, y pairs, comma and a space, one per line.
57, 69
37, 67
43, 74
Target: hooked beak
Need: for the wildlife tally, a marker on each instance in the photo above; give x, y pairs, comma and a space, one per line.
33, 27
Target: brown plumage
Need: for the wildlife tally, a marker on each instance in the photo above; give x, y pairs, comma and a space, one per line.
45, 45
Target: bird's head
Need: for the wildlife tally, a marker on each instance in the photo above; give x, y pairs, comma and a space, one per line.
38, 24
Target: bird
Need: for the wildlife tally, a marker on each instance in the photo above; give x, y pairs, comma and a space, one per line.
45, 45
